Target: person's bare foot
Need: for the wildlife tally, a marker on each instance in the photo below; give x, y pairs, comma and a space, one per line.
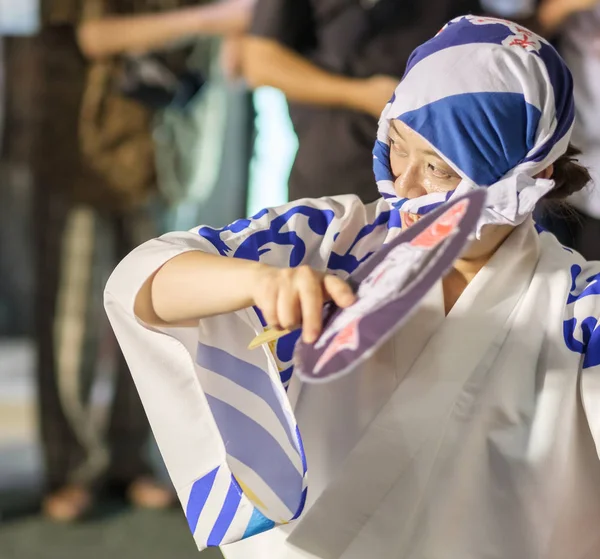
149, 493
68, 504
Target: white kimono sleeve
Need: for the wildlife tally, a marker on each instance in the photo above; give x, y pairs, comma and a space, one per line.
219, 412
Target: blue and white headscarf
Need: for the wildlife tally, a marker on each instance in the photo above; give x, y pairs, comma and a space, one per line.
495, 101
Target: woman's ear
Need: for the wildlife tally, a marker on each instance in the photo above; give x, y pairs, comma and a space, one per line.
546, 173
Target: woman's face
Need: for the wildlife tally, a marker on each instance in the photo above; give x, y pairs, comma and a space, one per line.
417, 168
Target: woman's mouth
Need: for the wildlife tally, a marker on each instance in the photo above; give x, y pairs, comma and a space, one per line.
409, 218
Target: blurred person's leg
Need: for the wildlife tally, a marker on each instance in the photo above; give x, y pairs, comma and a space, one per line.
83, 454
59, 444
66, 337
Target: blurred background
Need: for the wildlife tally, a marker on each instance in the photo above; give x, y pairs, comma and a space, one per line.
123, 119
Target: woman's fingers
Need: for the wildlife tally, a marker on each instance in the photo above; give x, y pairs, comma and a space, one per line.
288, 300
292, 297
311, 302
340, 292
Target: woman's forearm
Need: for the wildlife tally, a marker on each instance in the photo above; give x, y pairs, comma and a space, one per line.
196, 285
268, 63
113, 35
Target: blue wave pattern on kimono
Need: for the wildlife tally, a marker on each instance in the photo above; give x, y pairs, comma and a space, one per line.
583, 336
284, 352
348, 262
253, 247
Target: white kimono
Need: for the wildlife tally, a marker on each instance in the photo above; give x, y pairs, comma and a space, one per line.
468, 436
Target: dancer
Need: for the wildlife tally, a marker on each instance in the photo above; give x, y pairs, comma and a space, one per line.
474, 431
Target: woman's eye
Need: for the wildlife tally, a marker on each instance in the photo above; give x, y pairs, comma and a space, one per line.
397, 149
438, 172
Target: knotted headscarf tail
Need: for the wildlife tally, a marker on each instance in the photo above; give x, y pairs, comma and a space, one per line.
495, 100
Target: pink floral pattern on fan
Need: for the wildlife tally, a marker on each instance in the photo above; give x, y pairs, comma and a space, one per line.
442, 227
347, 338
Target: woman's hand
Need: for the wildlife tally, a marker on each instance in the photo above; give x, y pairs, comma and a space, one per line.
291, 297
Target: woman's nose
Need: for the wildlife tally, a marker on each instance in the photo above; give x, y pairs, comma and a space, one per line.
408, 184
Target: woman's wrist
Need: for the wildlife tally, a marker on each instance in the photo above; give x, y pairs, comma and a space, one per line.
251, 277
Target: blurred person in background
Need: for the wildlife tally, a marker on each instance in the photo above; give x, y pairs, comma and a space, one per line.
337, 62
576, 26
105, 82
